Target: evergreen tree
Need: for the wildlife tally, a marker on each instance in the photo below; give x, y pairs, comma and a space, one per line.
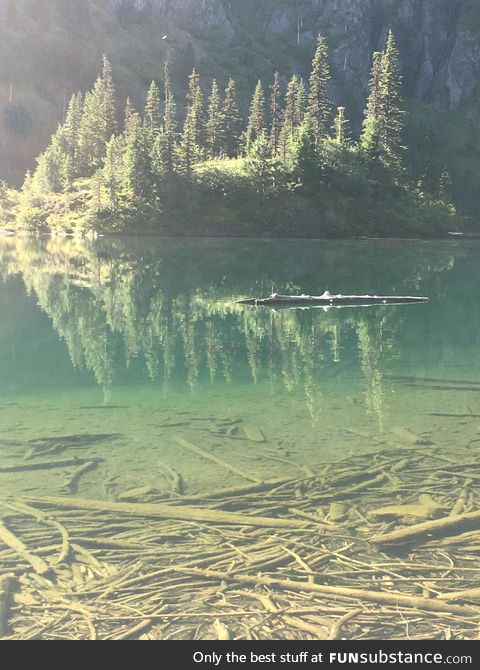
51, 175
231, 121
384, 116
301, 104
169, 124
370, 134
195, 109
187, 151
341, 127
214, 126
318, 103
275, 114
138, 171
256, 120
131, 118
260, 166
73, 120
391, 110
153, 118
305, 159
98, 120
113, 170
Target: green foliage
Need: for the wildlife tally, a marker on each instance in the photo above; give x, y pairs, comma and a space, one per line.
275, 114
318, 101
98, 122
153, 118
214, 127
92, 178
256, 121
231, 121
263, 170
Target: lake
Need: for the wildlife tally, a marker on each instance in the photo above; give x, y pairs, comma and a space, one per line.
130, 376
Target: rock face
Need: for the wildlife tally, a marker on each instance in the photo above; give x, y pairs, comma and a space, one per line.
439, 42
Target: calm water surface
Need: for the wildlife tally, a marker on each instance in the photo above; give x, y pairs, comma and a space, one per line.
127, 345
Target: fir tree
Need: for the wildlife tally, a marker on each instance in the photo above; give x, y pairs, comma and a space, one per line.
391, 112
139, 176
153, 118
169, 123
384, 116
195, 109
51, 174
131, 118
113, 170
305, 161
231, 121
98, 120
318, 103
214, 126
73, 120
301, 104
256, 120
275, 114
370, 135
260, 166
187, 151
341, 127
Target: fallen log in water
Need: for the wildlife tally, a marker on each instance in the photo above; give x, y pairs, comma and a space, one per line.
450, 525
163, 511
329, 299
378, 597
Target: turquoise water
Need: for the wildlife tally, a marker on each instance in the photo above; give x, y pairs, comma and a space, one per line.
117, 348
119, 335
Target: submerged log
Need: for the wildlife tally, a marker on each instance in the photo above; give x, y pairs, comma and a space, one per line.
450, 525
329, 299
164, 511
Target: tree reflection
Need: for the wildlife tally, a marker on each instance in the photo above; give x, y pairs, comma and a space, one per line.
167, 310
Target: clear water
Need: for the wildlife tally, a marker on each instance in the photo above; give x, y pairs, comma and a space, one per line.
140, 340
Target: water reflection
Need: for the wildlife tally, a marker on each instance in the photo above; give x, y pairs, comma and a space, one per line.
132, 311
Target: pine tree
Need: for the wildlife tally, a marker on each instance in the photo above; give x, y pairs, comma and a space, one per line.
260, 166
301, 104
384, 116
370, 134
318, 103
73, 120
51, 175
231, 121
341, 127
256, 120
98, 120
187, 151
275, 114
131, 118
214, 125
153, 118
304, 155
169, 124
138, 171
113, 170
391, 111
195, 109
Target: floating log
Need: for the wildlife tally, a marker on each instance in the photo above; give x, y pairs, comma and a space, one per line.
329, 299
